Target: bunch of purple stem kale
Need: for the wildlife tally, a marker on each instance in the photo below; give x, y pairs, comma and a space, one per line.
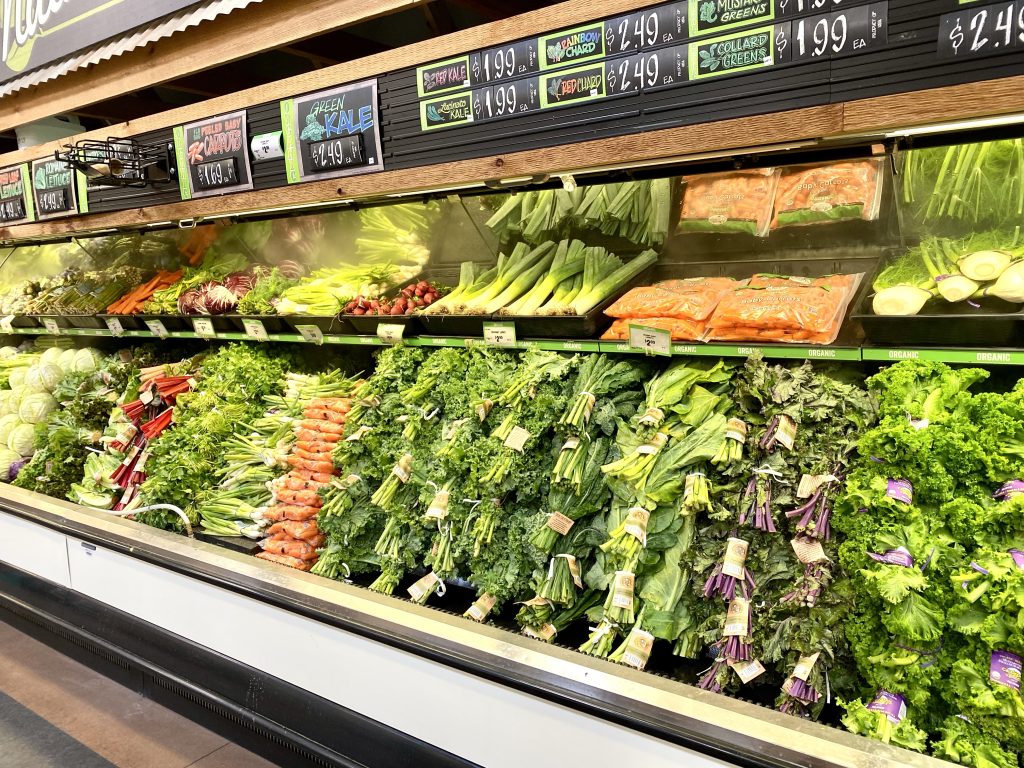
771, 435
720, 585
759, 507
737, 648
712, 679
798, 695
810, 586
815, 516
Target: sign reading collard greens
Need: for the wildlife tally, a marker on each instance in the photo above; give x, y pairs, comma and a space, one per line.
53, 184
738, 52
15, 199
38, 32
332, 133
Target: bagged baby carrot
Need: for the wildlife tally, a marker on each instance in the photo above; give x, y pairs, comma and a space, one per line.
826, 193
680, 328
739, 201
693, 298
784, 309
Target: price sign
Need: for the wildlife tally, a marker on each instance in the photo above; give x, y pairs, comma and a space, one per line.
203, 327
784, 8
730, 54
311, 333
334, 153
54, 186
515, 98
254, 329
504, 62
390, 333
840, 33
321, 131
216, 153
651, 341
219, 173
157, 328
15, 199
51, 326
982, 31
12, 210
457, 109
114, 326
500, 334
645, 29
646, 71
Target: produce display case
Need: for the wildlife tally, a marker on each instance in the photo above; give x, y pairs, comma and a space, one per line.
776, 561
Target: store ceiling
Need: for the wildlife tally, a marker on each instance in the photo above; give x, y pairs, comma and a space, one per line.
407, 27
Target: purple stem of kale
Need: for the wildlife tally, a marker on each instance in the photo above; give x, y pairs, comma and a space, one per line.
801, 691
710, 682
768, 441
736, 649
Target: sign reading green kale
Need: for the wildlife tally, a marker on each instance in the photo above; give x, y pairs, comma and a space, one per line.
332, 133
572, 86
445, 111
15, 201
572, 46
216, 154
729, 54
717, 15
54, 186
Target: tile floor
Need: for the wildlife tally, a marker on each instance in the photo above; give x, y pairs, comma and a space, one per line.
55, 712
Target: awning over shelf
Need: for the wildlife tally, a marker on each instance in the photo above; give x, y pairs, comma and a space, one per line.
74, 36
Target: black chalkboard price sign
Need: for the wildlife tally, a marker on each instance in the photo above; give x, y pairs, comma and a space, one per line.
216, 153
16, 201
984, 30
54, 186
332, 133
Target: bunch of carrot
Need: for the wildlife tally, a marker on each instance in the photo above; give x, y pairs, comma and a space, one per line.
132, 302
293, 538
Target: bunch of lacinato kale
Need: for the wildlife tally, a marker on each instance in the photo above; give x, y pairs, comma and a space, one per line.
932, 520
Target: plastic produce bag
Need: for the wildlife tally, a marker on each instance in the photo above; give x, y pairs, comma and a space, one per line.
690, 299
680, 328
785, 309
739, 201
827, 193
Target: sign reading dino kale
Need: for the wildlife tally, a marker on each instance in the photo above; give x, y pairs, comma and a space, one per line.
15, 201
216, 153
54, 186
332, 133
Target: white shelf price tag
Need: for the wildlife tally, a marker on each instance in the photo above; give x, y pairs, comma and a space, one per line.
51, 326
311, 333
390, 333
7, 324
157, 328
114, 326
651, 341
203, 328
500, 335
254, 329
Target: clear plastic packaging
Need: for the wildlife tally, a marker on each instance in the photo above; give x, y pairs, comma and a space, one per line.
787, 309
681, 329
690, 299
735, 202
829, 193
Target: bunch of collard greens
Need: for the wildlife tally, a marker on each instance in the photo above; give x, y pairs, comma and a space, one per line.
932, 524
